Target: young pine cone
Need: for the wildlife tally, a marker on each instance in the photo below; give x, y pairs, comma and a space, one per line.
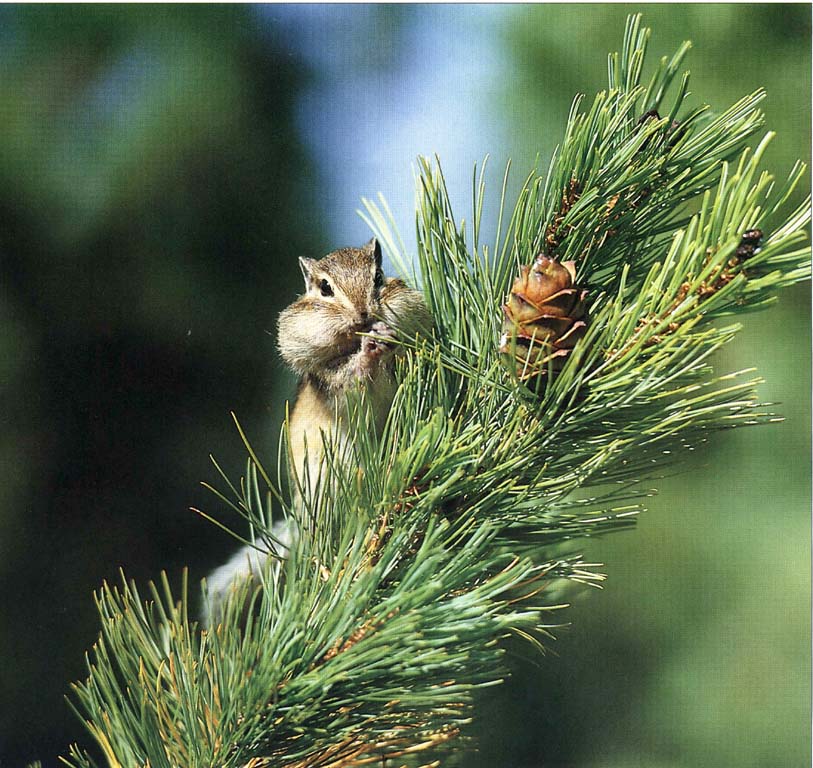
544, 317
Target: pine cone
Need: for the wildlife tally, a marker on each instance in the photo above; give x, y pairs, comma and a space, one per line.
544, 317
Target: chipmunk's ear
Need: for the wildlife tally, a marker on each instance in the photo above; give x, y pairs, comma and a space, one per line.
374, 248
306, 265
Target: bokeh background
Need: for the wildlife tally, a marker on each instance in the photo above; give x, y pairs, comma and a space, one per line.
162, 167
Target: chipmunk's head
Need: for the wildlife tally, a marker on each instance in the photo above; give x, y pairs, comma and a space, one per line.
342, 299
346, 283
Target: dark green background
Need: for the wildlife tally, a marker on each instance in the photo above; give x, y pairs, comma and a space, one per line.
155, 189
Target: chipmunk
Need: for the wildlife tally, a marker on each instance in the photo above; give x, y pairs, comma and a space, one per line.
346, 294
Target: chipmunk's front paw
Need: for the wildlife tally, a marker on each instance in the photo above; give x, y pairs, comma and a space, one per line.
375, 349
381, 343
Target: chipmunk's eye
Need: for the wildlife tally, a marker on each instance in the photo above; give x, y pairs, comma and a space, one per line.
325, 288
379, 278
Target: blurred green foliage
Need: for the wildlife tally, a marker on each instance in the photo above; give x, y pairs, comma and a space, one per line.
153, 195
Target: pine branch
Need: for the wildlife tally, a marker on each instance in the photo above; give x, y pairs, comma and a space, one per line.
465, 517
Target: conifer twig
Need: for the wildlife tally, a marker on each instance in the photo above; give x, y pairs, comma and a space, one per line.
466, 516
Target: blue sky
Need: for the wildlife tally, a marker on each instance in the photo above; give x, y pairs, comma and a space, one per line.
387, 87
